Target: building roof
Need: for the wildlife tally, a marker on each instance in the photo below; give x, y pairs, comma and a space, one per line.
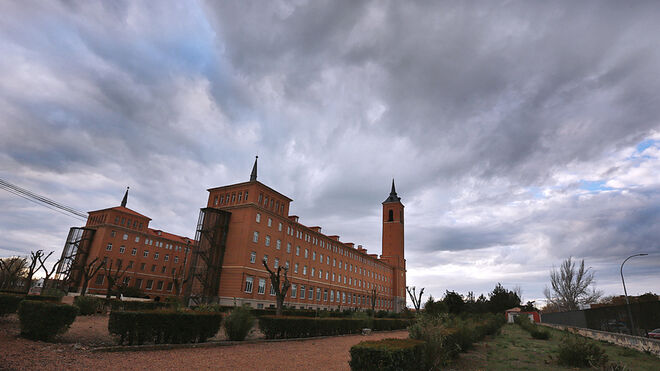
393, 196
169, 236
248, 183
123, 210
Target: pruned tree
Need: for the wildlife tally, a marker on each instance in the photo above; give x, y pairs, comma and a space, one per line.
88, 271
113, 275
374, 296
571, 287
179, 279
280, 288
48, 273
32, 267
416, 299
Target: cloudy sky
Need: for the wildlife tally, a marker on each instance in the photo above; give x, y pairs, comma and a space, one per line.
519, 133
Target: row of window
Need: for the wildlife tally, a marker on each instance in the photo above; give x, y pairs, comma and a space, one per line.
138, 283
145, 253
150, 242
127, 222
143, 266
307, 293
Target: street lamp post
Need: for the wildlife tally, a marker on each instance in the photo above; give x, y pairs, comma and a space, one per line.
632, 325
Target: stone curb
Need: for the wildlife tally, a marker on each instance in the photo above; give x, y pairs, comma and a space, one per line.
213, 344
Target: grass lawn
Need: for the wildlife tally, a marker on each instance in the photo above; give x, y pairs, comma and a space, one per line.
515, 349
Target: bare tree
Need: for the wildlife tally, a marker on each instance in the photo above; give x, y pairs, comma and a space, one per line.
280, 288
88, 271
12, 270
571, 286
113, 277
373, 299
47, 273
417, 300
179, 279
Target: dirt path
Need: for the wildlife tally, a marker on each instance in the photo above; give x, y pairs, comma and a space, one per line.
327, 354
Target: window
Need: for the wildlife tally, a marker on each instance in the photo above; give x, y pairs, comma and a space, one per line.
262, 286
126, 280
318, 294
265, 259
304, 270
99, 279
163, 269
153, 267
122, 249
332, 295
156, 256
145, 253
313, 271
267, 240
248, 284
169, 286
270, 222
294, 290
240, 196
159, 286
113, 234
297, 250
125, 236
246, 195
258, 217
311, 293
137, 238
130, 264
320, 273
314, 255
321, 258
334, 262
327, 260
255, 237
306, 253
167, 258
325, 294
286, 265
150, 283
390, 216
278, 244
277, 263
302, 291
288, 247
279, 227
138, 283
333, 277
142, 266
253, 257
272, 290
109, 247
295, 268
176, 259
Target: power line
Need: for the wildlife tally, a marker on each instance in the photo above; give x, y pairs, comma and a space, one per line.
41, 200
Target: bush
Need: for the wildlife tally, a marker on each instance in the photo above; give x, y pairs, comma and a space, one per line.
388, 324
161, 327
527, 325
133, 292
42, 320
541, 335
387, 354
51, 291
301, 327
238, 324
579, 352
141, 305
88, 305
9, 303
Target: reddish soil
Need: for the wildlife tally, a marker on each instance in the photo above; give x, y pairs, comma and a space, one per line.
73, 350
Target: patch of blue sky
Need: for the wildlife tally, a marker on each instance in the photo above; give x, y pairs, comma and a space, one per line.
642, 146
537, 192
594, 185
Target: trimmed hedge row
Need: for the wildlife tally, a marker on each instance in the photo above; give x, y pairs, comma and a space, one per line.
9, 303
55, 299
160, 327
387, 354
388, 324
299, 327
42, 320
92, 304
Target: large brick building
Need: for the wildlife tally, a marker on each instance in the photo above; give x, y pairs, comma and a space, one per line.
246, 223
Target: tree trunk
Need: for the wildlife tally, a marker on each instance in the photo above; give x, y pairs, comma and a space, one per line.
83, 290
280, 303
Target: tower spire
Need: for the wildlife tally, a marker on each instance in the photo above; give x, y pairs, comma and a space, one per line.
125, 199
253, 175
393, 196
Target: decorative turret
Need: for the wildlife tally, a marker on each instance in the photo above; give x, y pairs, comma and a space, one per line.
253, 175
125, 199
393, 196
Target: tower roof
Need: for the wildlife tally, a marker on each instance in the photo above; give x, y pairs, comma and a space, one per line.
125, 199
393, 196
253, 175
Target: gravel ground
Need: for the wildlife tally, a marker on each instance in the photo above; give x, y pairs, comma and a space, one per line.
72, 351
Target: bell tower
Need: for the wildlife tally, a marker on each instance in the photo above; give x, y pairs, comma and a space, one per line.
393, 246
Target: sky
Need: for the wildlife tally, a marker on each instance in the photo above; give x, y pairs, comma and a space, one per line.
518, 133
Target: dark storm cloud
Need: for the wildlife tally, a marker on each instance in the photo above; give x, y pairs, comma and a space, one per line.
476, 109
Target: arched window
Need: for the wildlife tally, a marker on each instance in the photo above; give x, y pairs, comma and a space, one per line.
390, 216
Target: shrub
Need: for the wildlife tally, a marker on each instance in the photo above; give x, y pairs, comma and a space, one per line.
88, 305
387, 354
387, 324
541, 335
524, 322
9, 303
162, 327
55, 299
51, 291
300, 327
142, 305
238, 324
42, 320
579, 352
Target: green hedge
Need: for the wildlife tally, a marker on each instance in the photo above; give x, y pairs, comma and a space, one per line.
89, 305
387, 354
534, 330
300, 327
43, 320
9, 303
55, 299
162, 327
388, 324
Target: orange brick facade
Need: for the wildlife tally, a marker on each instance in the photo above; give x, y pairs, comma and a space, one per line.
325, 273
